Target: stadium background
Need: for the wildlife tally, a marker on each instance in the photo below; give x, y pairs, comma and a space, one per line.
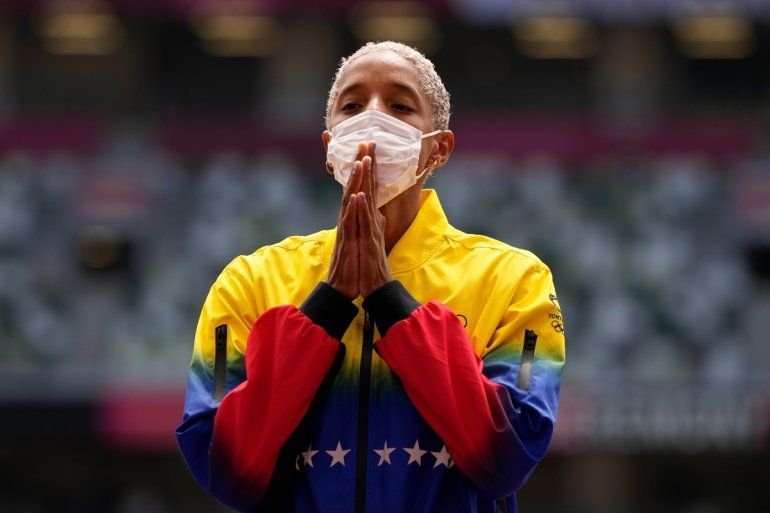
144, 143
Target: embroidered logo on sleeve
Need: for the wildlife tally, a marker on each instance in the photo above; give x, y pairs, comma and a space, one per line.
557, 322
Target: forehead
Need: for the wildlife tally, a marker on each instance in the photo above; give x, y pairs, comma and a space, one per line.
381, 68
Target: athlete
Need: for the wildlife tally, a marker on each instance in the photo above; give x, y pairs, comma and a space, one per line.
392, 363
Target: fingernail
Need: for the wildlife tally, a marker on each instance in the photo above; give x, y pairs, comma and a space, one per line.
351, 199
364, 197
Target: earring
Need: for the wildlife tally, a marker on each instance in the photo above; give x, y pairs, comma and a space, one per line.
431, 166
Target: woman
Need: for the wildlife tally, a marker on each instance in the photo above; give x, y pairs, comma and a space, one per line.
421, 370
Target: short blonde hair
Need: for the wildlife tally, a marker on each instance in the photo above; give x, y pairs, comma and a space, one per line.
430, 82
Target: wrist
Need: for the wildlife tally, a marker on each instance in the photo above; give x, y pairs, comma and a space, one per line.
329, 309
341, 289
389, 304
376, 284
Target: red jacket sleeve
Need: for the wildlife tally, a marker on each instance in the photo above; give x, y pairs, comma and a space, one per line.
232, 446
495, 432
286, 360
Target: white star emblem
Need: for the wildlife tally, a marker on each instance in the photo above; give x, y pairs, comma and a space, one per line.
415, 453
338, 455
308, 455
442, 457
384, 453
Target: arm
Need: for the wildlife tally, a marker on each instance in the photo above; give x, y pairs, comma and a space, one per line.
496, 429
240, 450
232, 445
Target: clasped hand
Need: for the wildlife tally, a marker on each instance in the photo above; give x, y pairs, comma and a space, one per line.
359, 264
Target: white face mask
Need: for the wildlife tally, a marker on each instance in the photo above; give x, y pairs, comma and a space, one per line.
397, 153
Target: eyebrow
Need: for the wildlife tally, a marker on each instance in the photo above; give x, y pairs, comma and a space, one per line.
398, 85
406, 87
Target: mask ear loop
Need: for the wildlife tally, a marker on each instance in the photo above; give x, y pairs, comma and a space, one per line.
426, 168
329, 165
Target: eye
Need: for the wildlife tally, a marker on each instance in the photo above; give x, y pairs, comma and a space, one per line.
401, 107
349, 106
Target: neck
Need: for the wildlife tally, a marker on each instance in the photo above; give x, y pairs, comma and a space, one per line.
399, 214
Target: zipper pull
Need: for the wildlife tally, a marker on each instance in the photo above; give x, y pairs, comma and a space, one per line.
220, 362
530, 339
220, 337
527, 360
367, 324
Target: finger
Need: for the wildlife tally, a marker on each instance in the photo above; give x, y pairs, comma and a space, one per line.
354, 182
364, 216
348, 226
363, 149
357, 177
373, 168
370, 185
366, 176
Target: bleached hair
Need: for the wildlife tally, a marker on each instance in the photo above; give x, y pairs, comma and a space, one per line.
429, 81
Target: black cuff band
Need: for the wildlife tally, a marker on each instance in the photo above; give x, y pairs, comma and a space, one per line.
330, 309
389, 304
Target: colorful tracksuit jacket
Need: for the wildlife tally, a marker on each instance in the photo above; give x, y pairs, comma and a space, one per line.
437, 393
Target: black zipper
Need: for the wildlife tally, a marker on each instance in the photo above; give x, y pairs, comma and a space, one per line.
220, 362
527, 357
364, 381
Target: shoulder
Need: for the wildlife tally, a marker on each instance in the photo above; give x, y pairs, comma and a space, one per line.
295, 249
484, 248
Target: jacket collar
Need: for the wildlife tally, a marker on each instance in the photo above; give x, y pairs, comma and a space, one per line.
420, 240
423, 236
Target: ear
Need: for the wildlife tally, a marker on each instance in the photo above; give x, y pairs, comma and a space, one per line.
326, 136
445, 143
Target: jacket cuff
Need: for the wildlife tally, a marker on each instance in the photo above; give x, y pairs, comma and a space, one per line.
389, 304
330, 309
